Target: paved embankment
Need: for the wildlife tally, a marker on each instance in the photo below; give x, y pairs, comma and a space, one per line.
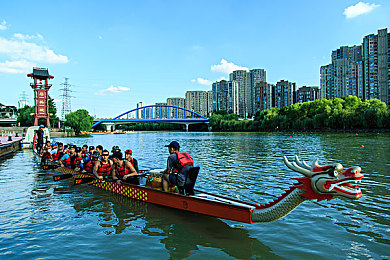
9, 145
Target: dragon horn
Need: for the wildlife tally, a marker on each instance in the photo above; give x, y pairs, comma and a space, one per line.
302, 164
315, 164
293, 166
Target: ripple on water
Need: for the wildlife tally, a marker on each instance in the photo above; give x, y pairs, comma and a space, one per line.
40, 217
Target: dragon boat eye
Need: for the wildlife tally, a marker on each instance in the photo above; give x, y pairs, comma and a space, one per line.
334, 173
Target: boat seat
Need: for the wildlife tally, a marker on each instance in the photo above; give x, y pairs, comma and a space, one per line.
190, 181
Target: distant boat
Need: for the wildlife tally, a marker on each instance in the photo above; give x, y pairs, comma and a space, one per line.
27, 143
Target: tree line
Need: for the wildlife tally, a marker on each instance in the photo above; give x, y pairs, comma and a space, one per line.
322, 114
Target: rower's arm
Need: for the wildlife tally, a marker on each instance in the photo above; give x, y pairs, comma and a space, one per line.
114, 172
133, 172
96, 168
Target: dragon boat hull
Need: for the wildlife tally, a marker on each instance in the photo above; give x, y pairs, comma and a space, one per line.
202, 202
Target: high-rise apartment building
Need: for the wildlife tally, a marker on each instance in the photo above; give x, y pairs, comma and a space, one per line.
263, 96
179, 102
306, 94
376, 57
246, 81
225, 96
161, 112
197, 101
284, 94
362, 70
140, 113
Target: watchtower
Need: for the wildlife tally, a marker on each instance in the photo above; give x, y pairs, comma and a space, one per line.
41, 88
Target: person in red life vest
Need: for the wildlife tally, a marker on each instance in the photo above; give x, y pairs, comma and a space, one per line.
66, 159
103, 167
89, 162
124, 169
46, 155
60, 151
178, 165
84, 151
76, 162
129, 158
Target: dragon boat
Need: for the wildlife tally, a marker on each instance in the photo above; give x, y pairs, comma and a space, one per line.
318, 182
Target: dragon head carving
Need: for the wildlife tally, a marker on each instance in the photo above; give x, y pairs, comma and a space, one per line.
326, 182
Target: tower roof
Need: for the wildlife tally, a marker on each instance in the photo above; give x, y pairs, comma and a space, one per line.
41, 73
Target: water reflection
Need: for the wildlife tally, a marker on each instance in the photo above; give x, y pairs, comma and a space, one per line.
182, 233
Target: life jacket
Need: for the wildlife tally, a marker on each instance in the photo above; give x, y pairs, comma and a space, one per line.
58, 154
77, 161
84, 154
68, 161
105, 169
89, 165
122, 170
184, 160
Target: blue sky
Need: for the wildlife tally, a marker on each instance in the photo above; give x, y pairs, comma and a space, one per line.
118, 53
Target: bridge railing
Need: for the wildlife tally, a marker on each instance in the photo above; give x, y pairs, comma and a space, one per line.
153, 113
160, 112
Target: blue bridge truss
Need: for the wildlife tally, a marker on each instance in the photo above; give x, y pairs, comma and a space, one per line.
156, 114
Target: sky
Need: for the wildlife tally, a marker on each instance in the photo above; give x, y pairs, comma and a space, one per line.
119, 53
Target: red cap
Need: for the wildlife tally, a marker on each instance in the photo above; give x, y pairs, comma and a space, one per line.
129, 151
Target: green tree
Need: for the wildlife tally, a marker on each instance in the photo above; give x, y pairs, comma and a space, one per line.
26, 115
79, 120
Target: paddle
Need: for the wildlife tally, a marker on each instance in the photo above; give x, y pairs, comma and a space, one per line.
89, 180
67, 173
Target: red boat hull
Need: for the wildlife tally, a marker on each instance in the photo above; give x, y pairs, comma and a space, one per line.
233, 210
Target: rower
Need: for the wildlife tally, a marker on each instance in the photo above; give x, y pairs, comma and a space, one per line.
91, 150
89, 162
66, 159
103, 168
60, 151
123, 169
76, 162
84, 150
114, 149
53, 151
179, 163
129, 158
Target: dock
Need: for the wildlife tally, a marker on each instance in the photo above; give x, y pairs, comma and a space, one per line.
10, 144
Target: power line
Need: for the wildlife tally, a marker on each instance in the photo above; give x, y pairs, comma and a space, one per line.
66, 102
23, 100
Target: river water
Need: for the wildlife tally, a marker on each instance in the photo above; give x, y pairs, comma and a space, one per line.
43, 219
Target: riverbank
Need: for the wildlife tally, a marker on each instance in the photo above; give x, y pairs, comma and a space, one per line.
21, 131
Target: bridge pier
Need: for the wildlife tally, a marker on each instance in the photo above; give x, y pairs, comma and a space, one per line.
187, 127
109, 127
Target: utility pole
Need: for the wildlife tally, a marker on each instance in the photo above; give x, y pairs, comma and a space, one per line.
66, 104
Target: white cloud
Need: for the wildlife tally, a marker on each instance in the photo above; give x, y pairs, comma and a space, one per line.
201, 81
24, 37
20, 53
100, 37
358, 9
19, 66
3, 26
112, 90
227, 67
20, 49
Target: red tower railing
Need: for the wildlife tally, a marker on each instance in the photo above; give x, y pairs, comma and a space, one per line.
41, 88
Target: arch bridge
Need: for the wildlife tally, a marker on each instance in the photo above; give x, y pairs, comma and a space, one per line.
155, 114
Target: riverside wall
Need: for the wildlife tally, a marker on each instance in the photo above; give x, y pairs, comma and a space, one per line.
21, 131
